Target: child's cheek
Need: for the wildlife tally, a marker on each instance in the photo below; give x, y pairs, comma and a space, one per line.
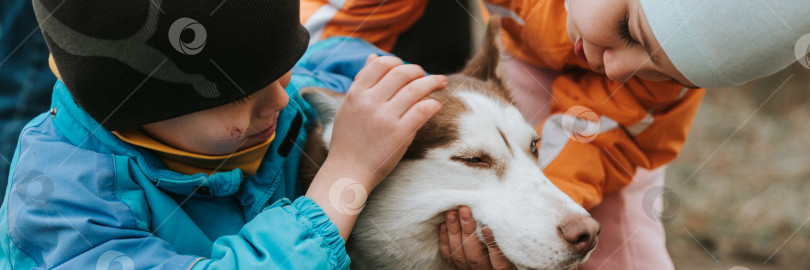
569, 27
234, 134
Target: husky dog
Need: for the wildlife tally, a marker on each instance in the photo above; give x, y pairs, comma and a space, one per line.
477, 151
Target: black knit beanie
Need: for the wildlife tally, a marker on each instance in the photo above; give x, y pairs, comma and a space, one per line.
133, 62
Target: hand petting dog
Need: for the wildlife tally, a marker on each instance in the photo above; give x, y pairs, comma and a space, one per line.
373, 128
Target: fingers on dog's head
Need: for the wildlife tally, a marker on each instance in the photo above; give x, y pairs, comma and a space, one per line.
375, 70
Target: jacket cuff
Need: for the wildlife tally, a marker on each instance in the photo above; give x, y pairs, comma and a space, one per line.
310, 212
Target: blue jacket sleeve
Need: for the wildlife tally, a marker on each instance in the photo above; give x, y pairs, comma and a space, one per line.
66, 216
74, 214
285, 235
75, 227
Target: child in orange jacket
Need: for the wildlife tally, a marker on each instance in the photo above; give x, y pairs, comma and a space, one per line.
611, 105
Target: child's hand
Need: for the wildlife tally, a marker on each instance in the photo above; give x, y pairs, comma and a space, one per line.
373, 128
380, 116
460, 247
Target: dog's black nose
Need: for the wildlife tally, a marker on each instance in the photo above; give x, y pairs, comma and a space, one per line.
580, 232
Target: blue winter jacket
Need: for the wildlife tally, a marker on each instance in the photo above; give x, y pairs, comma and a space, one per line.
80, 198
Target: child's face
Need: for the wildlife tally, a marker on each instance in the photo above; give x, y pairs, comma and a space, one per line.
228, 128
613, 36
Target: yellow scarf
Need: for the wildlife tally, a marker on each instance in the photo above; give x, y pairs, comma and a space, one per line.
247, 160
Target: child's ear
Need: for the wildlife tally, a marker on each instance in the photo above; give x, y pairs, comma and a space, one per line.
325, 103
484, 64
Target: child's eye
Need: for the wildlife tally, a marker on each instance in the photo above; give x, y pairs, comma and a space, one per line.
624, 32
240, 101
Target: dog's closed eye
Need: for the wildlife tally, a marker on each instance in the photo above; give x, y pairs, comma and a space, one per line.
477, 160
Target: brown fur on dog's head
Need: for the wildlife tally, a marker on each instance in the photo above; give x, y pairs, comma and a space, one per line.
484, 64
479, 75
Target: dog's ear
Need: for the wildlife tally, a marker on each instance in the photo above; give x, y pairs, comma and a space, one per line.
484, 64
319, 135
325, 103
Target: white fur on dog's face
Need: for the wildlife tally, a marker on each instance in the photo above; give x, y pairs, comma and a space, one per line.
522, 206
477, 151
508, 192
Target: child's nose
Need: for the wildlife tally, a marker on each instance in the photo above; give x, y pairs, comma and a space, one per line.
619, 66
276, 101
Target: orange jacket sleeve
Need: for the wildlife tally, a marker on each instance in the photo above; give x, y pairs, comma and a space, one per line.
376, 21
600, 131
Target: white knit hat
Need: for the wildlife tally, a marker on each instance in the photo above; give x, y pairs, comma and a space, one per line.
721, 43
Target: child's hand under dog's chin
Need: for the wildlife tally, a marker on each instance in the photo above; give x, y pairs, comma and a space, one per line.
376, 123
464, 253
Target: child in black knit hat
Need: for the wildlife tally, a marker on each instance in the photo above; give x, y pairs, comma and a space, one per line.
171, 142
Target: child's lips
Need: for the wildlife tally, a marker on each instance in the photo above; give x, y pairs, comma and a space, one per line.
265, 133
579, 51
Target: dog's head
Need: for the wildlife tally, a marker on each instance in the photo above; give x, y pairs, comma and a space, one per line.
480, 152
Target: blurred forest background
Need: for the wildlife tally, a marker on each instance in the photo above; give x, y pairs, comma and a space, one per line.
741, 185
